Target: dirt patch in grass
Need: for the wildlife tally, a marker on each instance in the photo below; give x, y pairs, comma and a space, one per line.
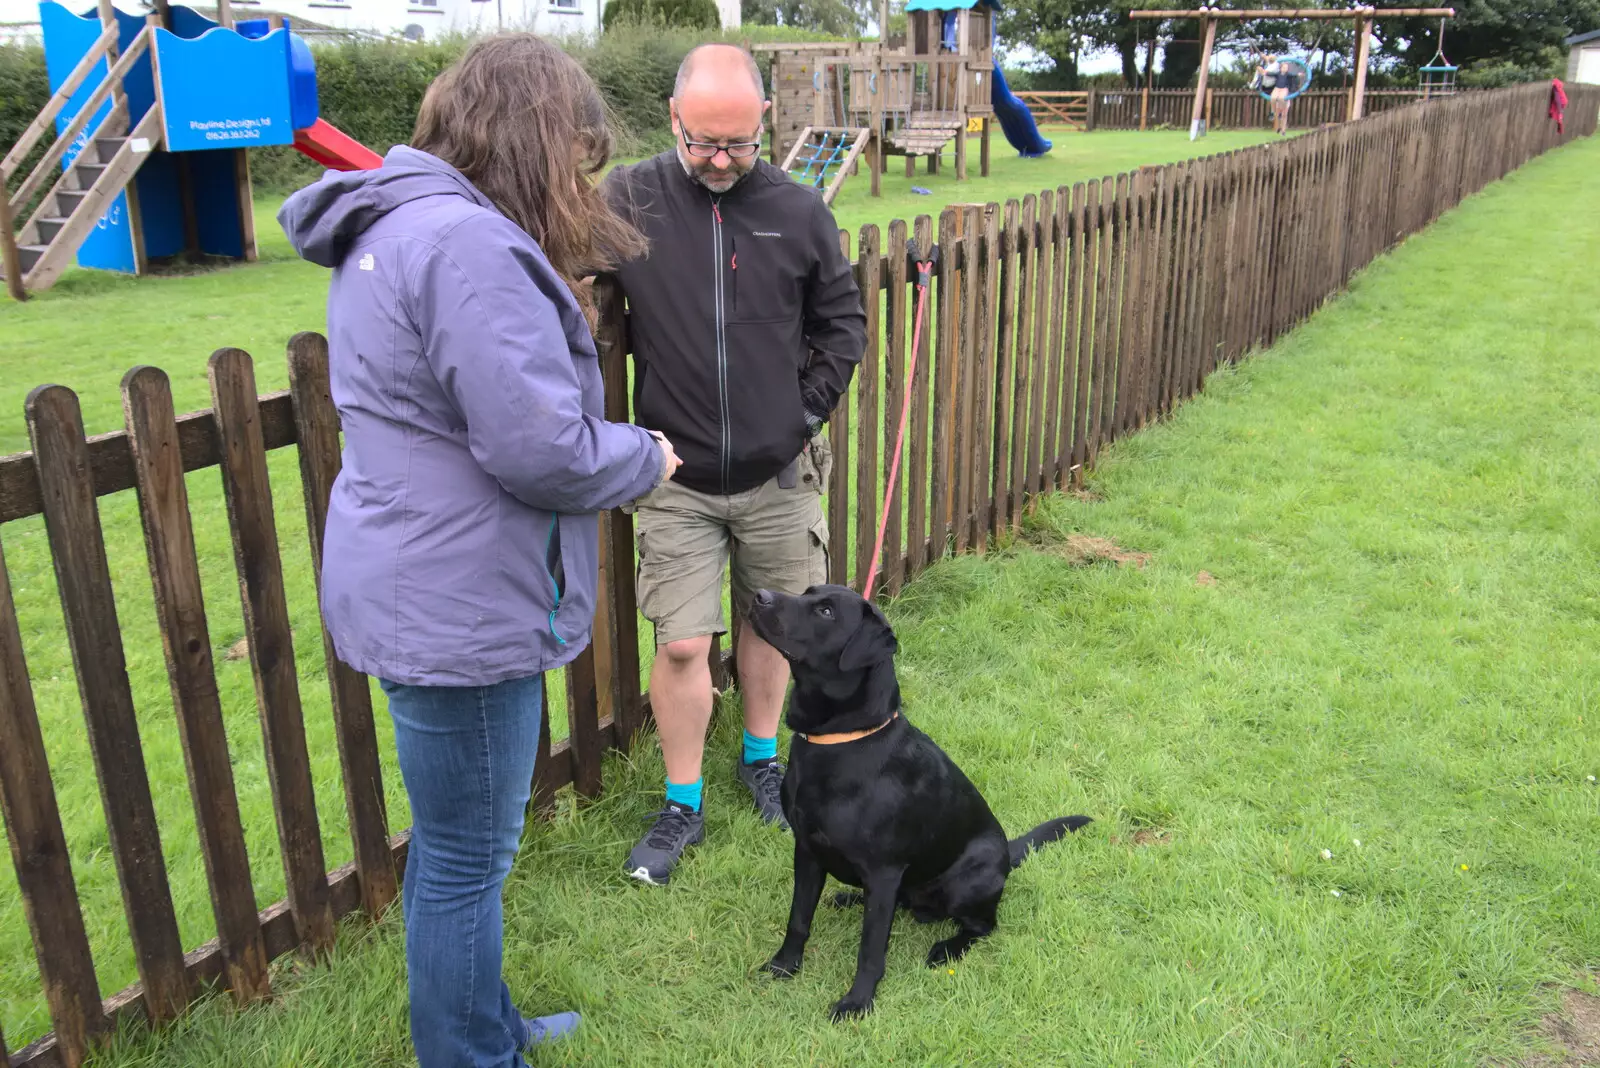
1085, 549
1574, 1034
1145, 836
1205, 578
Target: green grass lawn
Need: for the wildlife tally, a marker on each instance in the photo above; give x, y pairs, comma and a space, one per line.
85, 333
1337, 734
1073, 157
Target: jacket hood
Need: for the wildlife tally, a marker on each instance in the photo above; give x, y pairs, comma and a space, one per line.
324, 218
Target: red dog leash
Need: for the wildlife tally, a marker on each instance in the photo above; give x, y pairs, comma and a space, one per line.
924, 269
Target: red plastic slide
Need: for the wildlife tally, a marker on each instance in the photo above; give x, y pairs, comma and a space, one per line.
334, 148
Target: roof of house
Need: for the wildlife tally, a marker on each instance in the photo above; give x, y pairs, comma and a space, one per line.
1582, 38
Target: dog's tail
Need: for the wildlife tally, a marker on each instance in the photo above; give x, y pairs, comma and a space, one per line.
1043, 835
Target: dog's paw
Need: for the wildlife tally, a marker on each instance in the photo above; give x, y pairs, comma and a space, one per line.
944, 952
849, 1007
780, 967
847, 899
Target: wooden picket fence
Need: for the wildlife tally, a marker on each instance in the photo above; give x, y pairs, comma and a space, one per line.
1056, 325
1225, 109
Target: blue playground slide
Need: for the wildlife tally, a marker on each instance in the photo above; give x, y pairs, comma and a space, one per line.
1015, 118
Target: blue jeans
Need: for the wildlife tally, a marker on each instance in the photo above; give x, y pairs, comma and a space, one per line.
466, 755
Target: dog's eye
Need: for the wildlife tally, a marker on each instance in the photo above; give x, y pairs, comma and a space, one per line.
824, 611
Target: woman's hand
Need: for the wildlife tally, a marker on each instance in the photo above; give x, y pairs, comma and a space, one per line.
667, 453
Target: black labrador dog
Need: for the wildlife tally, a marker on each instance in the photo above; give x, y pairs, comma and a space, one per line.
872, 800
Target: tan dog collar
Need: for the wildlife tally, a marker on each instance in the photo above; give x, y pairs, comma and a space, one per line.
847, 736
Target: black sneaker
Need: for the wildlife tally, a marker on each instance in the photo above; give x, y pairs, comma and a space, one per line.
764, 779
676, 828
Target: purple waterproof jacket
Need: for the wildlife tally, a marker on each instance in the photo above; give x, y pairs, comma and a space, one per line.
462, 544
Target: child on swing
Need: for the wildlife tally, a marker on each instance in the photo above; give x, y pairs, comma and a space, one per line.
1278, 79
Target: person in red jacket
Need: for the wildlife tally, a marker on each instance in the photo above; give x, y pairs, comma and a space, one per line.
1558, 104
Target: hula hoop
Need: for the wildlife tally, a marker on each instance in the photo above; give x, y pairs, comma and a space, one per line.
1304, 79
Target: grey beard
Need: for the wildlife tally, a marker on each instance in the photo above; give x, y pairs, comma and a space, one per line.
696, 179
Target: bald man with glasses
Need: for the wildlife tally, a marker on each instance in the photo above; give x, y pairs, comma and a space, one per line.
747, 327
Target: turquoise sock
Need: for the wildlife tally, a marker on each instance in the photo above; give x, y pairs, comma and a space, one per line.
686, 794
759, 748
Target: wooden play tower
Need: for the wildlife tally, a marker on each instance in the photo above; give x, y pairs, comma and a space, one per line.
910, 95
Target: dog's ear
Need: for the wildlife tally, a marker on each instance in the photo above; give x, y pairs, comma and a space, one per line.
872, 643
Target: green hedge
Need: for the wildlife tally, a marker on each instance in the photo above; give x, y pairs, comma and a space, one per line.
24, 90
692, 14
369, 89
372, 89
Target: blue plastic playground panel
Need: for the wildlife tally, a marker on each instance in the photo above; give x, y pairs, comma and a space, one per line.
189, 23
247, 109
303, 106
304, 109
949, 5
161, 205
216, 202
68, 37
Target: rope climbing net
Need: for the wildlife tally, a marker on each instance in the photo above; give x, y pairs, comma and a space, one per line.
823, 156
826, 153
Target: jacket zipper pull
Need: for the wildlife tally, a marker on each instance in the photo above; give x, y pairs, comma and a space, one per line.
733, 264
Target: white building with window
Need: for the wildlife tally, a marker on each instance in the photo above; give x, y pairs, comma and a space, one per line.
1583, 61
416, 19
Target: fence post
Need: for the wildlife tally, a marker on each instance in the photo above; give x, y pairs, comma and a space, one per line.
1093, 114
247, 490
1144, 95
186, 640
78, 551
1200, 89
612, 341
1363, 41
317, 441
10, 258
39, 851
869, 430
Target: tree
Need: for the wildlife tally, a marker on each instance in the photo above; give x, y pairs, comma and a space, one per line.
1503, 40
1058, 29
691, 14
1488, 33
842, 18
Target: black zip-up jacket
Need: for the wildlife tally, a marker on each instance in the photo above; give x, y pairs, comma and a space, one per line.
744, 317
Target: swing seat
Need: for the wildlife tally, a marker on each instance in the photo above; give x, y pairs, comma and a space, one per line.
1302, 83
1438, 80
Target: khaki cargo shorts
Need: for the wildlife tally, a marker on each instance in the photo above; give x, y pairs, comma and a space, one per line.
775, 537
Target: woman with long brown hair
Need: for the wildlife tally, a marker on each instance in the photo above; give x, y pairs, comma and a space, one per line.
460, 556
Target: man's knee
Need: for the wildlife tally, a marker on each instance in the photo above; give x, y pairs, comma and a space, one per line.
686, 652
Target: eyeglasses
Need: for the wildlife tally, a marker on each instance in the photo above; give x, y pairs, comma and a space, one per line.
706, 149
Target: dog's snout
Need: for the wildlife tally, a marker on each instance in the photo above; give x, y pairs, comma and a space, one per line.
764, 598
